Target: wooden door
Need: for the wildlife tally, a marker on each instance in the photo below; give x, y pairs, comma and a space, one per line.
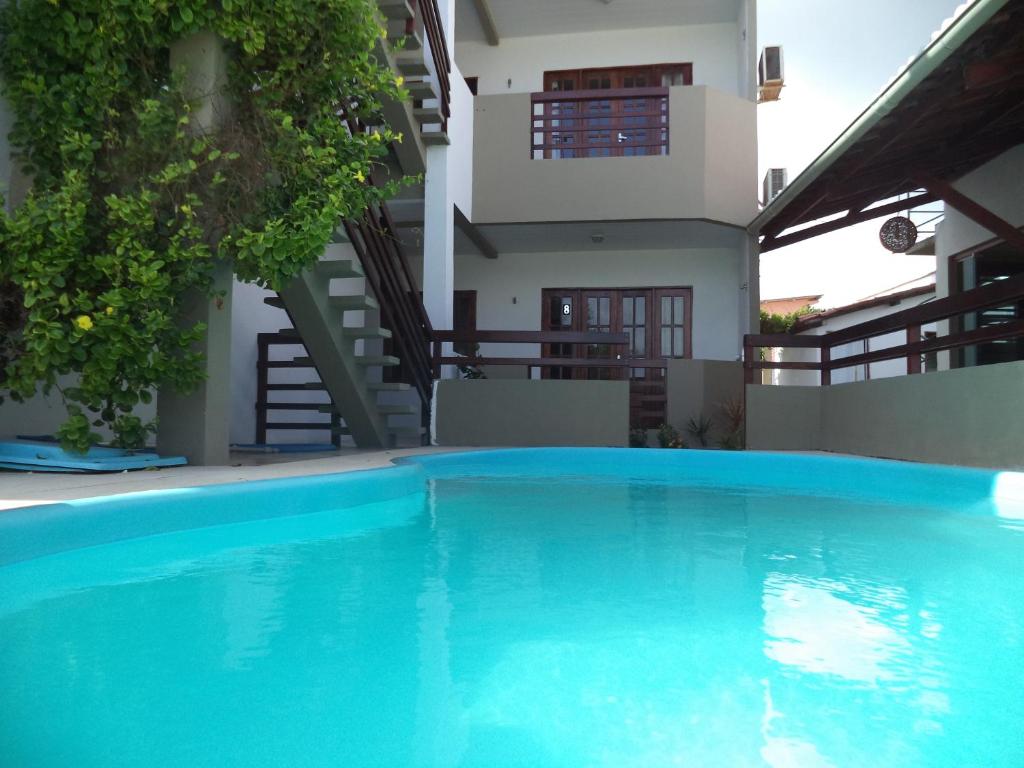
559, 309
618, 126
657, 322
598, 313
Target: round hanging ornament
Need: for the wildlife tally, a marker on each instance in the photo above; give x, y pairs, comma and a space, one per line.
898, 234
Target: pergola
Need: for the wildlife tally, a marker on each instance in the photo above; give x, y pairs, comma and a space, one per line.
957, 105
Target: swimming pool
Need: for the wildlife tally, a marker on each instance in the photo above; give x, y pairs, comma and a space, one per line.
534, 608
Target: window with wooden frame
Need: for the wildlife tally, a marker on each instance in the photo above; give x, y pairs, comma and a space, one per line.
631, 122
977, 268
614, 78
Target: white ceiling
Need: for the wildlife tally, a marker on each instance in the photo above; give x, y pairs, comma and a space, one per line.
618, 236
526, 18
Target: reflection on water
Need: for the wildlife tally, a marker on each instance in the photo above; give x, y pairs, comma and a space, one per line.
509, 624
809, 627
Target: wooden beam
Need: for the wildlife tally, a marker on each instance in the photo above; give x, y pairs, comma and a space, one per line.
470, 230
771, 243
972, 210
483, 12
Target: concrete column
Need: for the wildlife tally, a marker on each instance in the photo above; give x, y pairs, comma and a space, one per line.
438, 240
750, 289
14, 185
439, 216
197, 425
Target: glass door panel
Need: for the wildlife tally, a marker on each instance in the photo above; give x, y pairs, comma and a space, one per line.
559, 315
599, 315
673, 322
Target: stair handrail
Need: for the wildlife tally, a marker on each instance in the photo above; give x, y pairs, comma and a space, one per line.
430, 16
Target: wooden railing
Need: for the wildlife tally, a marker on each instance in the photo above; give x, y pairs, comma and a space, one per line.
264, 387
601, 123
647, 392
578, 360
429, 15
997, 294
390, 278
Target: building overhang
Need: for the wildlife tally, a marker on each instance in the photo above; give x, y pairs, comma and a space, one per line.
956, 106
615, 237
490, 21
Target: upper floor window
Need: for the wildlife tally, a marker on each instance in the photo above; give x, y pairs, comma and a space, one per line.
653, 76
617, 112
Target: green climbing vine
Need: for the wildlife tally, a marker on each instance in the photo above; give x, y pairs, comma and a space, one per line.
134, 199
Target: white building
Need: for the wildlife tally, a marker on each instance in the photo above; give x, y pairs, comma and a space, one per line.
588, 167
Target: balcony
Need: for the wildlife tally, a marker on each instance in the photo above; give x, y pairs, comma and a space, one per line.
684, 152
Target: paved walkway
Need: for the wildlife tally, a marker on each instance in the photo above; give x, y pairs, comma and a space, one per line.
21, 489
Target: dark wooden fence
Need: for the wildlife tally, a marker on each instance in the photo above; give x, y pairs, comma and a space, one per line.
1000, 293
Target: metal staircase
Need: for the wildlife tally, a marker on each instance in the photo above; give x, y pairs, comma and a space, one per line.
362, 293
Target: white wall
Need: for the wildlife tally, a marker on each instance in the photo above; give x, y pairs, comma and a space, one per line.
999, 186
43, 415
711, 47
460, 153
509, 289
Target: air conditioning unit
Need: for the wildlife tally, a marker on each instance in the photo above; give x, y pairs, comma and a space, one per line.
774, 182
770, 74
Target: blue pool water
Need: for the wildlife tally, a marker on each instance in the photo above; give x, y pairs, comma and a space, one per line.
527, 608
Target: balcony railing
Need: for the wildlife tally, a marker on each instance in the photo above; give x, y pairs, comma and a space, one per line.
626, 122
1009, 292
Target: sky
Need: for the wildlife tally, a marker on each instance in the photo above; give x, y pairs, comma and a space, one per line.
838, 57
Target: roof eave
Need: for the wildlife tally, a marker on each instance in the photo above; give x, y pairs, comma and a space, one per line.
926, 62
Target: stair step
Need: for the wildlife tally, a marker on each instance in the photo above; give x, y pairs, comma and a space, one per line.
388, 386
367, 333
327, 408
411, 63
411, 42
385, 360
407, 430
396, 410
295, 407
274, 301
428, 115
301, 425
421, 88
315, 386
395, 9
354, 302
339, 268
435, 138
298, 362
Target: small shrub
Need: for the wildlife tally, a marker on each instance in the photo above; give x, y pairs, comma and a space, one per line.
733, 415
699, 427
637, 437
669, 437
